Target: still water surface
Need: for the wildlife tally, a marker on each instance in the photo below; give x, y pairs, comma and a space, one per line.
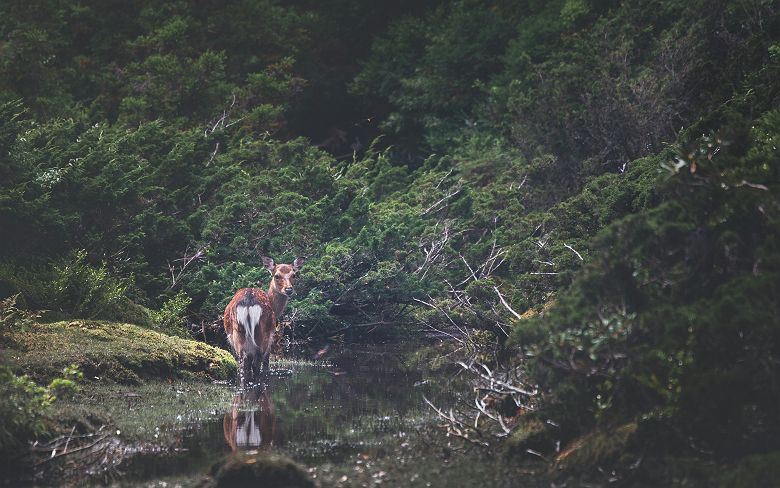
359, 419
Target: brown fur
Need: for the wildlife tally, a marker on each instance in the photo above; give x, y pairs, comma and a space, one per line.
272, 304
248, 359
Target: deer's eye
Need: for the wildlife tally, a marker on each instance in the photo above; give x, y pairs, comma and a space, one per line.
278, 277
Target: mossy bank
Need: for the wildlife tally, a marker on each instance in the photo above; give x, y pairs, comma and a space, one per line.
121, 353
132, 391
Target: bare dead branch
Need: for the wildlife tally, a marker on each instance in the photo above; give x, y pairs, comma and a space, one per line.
757, 186
220, 123
469, 267
176, 274
65, 449
493, 381
440, 201
448, 317
72, 451
506, 305
435, 250
455, 426
538, 454
213, 154
443, 178
497, 418
573, 250
520, 185
489, 266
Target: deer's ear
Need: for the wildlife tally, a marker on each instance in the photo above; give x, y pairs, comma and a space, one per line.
269, 264
298, 263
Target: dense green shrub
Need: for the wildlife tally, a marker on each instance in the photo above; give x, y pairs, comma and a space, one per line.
675, 312
171, 318
80, 290
69, 287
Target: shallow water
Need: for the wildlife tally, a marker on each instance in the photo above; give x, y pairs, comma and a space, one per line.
355, 417
323, 413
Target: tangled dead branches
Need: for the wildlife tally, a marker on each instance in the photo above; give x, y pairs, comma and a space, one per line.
500, 398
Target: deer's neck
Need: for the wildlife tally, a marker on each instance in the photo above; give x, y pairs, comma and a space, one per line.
278, 301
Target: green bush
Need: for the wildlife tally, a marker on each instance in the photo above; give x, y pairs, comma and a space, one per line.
83, 291
171, 318
23, 406
67, 384
13, 318
72, 287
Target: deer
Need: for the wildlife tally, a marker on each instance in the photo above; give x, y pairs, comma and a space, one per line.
251, 317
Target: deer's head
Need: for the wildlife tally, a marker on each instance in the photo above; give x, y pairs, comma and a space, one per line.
283, 276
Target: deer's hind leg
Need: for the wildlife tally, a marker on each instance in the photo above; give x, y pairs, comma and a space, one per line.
256, 360
266, 362
242, 372
248, 370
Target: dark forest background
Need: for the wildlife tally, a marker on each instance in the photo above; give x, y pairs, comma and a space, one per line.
593, 185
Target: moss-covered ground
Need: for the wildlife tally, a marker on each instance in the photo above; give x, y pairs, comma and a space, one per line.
121, 353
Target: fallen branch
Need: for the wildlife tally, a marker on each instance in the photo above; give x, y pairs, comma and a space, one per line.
41, 447
539, 455
454, 425
497, 418
64, 453
495, 381
448, 317
69, 437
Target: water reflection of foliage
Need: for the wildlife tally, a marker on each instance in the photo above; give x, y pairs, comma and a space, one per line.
368, 394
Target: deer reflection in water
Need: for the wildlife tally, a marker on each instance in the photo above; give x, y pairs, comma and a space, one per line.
251, 421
